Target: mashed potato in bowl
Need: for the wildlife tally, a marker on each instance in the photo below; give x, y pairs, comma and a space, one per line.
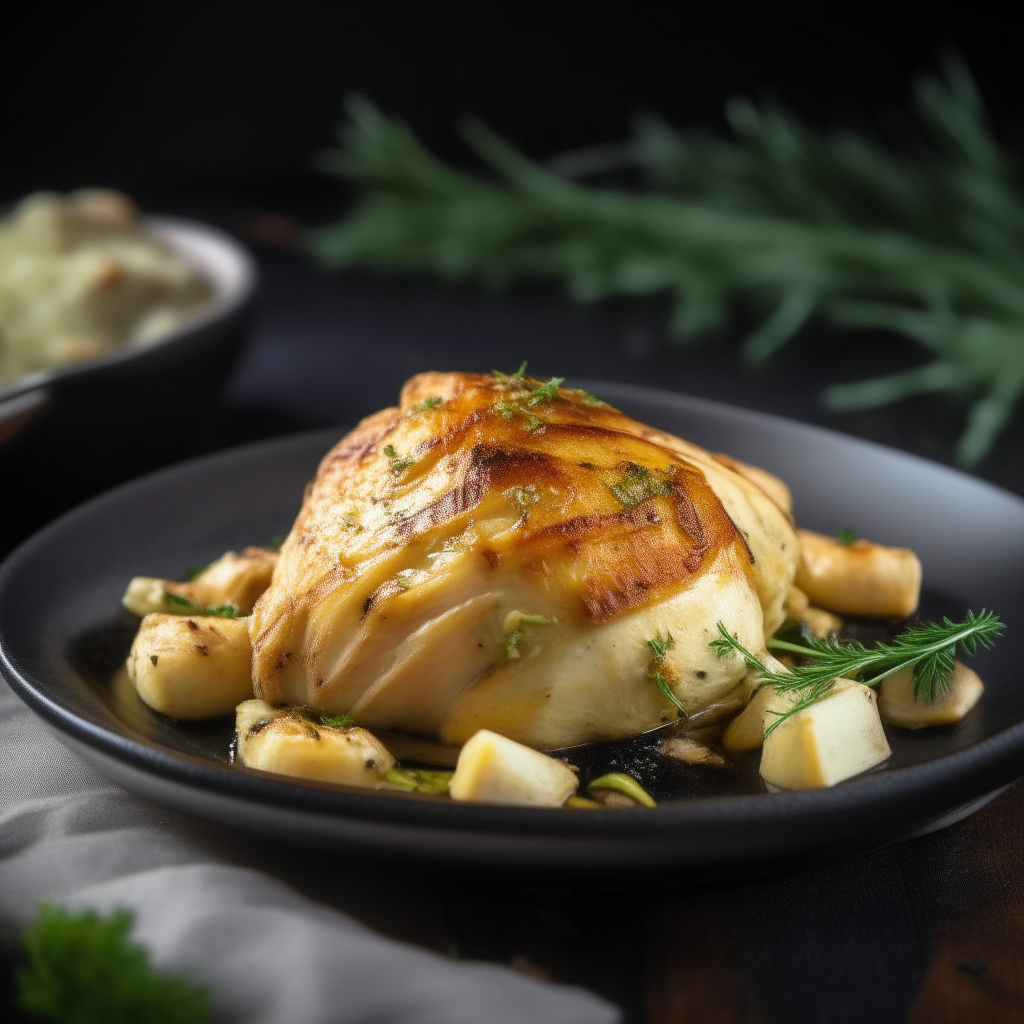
80, 276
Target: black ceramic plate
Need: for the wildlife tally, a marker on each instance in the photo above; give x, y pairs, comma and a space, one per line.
61, 637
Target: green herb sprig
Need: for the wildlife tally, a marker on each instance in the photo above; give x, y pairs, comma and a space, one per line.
928, 649
788, 220
344, 721
420, 780
660, 646
515, 632
84, 969
183, 606
396, 463
637, 484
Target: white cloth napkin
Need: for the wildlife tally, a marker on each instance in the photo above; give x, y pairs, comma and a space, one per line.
268, 954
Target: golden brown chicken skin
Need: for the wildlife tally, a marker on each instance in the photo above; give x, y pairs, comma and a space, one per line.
496, 552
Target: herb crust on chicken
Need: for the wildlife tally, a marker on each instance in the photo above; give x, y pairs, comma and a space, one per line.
495, 553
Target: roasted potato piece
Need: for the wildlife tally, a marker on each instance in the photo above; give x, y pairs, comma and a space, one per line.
191, 666
285, 741
820, 622
746, 730
838, 737
493, 769
233, 579
861, 578
898, 706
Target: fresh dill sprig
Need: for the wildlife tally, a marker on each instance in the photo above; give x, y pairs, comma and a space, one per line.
846, 536
929, 650
637, 484
429, 403
182, 605
83, 968
793, 222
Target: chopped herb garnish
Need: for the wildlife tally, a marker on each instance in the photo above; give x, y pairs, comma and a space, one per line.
928, 649
520, 373
626, 785
588, 397
397, 462
182, 606
350, 523
510, 409
193, 571
428, 403
661, 645
523, 495
337, 721
846, 536
83, 967
659, 671
404, 578
514, 631
638, 484
275, 542
545, 392
420, 780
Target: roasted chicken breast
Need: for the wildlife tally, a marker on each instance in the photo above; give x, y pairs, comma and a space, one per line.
496, 552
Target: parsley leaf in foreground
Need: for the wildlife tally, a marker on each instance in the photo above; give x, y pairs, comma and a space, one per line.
84, 969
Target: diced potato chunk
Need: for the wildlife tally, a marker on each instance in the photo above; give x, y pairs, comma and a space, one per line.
233, 579
191, 666
817, 620
746, 730
145, 595
898, 706
493, 769
834, 739
284, 741
861, 578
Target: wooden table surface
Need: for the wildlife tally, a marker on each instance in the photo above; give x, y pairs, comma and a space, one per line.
929, 931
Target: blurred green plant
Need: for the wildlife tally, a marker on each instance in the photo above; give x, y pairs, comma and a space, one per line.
83, 969
794, 222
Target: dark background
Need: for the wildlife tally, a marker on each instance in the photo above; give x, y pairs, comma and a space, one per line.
232, 94
216, 111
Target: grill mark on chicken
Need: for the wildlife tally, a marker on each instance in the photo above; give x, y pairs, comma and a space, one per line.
487, 469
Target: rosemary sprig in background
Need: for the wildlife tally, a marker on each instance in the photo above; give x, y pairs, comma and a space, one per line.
794, 222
